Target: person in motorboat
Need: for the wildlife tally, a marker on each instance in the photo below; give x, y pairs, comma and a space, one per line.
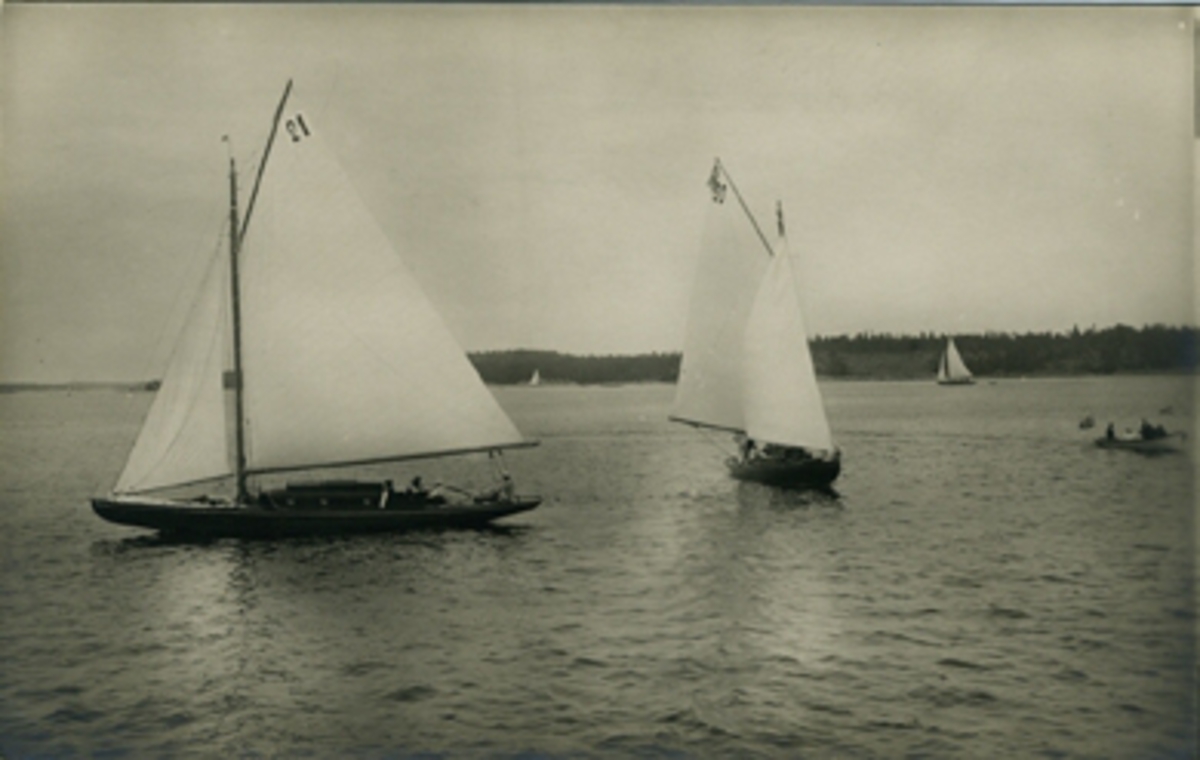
1110, 433
1151, 432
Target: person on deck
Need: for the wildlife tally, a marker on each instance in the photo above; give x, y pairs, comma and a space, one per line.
506, 491
746, 447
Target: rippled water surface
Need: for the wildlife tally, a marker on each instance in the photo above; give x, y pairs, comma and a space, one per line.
986, 584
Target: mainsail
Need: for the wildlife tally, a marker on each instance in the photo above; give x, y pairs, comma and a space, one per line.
730, 269
952, 369
345, 360
746, 363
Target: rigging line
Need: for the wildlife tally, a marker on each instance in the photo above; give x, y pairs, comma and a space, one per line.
496, 459
708, 437
745, 208
794, 276
176, 321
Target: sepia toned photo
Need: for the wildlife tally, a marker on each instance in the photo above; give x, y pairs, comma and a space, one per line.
598, 381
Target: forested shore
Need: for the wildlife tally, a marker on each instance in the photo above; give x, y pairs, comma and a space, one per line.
883, 356
866, 356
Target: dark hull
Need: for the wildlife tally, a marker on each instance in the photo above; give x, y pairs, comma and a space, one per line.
1162, 445
967, 381
241, 521
783, 473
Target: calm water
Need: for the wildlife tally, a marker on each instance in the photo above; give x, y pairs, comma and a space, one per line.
988, 584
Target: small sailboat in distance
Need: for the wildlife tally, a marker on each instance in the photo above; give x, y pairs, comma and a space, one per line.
951, 368
338, 359
746, 365
535, 379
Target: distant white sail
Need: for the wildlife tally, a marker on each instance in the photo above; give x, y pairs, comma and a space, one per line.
781, 399
951, 368
730, 269
536, 379
345, 359
183, 439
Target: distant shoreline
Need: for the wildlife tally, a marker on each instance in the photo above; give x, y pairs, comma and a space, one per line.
146, 385
153, 385
1119, 350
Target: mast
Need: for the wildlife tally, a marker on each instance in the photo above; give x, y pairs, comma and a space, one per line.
237, 233
235, 244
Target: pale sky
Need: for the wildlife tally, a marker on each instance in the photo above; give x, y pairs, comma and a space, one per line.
541, 169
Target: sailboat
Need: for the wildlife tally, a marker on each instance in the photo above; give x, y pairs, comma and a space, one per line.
536, 379
746, 365
951, 369
333, 357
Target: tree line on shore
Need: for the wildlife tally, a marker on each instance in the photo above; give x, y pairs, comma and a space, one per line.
867, 356
517, 366
1154, 348
1118, 349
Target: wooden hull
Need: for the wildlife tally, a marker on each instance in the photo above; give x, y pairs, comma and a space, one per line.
784, 473
1162, 445
255, 521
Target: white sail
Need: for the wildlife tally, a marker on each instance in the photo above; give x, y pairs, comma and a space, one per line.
183, 439
780, 396
536, 379
951, 368
344, 358
730, 269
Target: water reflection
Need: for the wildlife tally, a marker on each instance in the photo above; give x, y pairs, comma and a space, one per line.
309, 631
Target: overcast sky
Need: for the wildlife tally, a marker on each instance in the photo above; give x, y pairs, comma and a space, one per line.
541, 169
